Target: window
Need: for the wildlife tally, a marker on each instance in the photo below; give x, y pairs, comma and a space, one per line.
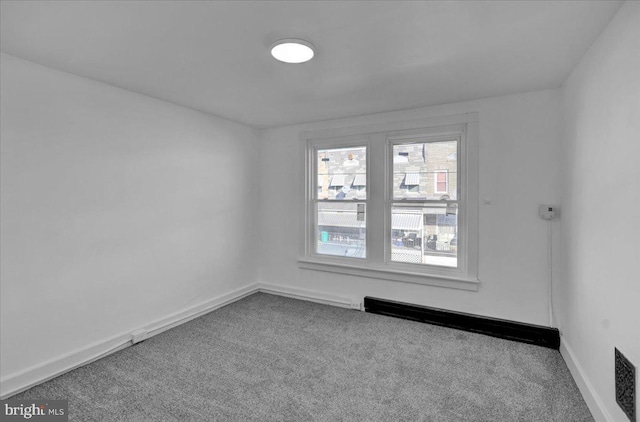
394, 201
442, 179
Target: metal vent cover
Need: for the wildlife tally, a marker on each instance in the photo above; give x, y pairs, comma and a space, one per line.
625, 385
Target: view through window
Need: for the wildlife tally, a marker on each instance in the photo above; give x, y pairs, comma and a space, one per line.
341, 224
424, 209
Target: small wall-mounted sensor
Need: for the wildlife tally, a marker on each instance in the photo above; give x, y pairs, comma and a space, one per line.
548, 212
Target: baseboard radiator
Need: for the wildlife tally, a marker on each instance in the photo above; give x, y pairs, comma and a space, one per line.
505, 329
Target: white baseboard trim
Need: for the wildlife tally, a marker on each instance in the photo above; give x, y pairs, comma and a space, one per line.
37, 374
310, 295
593, 400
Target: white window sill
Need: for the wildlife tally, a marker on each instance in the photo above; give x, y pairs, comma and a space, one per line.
390, 274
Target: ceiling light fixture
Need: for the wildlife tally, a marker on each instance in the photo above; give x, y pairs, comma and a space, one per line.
292, 50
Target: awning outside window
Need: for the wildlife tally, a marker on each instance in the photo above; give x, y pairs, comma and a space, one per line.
406, 221
399, 221
337, 180
360, 180
339, 219
411, 179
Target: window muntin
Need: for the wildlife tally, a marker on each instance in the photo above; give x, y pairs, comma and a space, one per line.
424, 205
340, 205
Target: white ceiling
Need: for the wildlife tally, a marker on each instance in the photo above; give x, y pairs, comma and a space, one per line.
370, 57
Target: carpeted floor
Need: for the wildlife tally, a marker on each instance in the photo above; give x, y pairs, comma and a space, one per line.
269, 358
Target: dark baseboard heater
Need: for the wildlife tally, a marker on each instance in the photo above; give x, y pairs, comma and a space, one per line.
501, 328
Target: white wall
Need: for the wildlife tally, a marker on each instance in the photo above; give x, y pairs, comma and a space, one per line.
599, 289
117, 210
519, 163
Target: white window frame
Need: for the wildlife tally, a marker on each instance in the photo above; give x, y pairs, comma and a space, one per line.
379, 140
311, 216
446, 181
420, 136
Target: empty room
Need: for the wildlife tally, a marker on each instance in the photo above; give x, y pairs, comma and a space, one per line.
319, 210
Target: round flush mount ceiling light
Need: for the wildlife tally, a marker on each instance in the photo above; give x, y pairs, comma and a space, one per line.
292, 50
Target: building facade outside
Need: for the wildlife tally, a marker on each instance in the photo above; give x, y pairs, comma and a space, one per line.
420, 234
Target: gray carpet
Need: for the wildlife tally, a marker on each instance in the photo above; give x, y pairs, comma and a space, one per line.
268, 358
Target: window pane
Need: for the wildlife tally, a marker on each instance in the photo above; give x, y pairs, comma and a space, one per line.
342, 173
425, 170
425, 235
341, 229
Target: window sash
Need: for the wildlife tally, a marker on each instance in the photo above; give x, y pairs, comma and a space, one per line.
312, 213
349, 247
425, 138
414, 205
392, 202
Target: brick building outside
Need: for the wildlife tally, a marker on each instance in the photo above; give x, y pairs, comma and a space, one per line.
421, 171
